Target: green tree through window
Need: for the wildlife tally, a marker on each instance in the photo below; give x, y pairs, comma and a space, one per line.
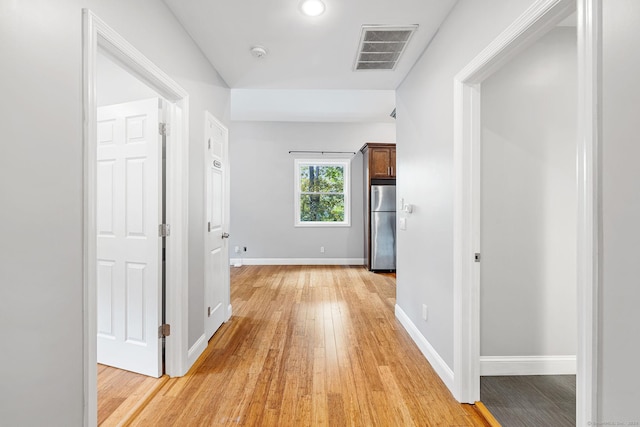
322, 192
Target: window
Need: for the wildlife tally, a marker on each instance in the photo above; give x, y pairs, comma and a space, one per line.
322, 193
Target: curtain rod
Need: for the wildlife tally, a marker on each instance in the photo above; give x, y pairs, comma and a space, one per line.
323, 152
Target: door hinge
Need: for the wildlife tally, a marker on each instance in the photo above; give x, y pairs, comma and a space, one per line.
164, 330
163, 129
209, 226
208, 311
209, 144
476, 257
164, 230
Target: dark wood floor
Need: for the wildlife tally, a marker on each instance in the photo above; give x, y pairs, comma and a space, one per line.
541, 400
309, 346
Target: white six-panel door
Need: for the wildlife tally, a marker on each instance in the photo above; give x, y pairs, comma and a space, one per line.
129, 200
216, 246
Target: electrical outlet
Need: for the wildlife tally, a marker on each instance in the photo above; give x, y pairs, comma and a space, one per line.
237, 249
321, 249
425, 312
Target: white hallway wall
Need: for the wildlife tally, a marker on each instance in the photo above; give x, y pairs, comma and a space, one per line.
262, 185
529, 202
41, 175
620, 269
425, 141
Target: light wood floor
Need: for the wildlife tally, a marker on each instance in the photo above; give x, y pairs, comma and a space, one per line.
309, 346
120, 394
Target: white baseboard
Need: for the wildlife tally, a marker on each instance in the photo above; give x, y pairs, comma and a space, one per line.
196, 350
527, 365
438, 364
296, 261
229, 312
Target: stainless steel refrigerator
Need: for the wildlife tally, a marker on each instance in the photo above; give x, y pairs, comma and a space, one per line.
383, 227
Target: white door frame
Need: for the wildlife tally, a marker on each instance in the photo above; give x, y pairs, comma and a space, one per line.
97, 35
534, 22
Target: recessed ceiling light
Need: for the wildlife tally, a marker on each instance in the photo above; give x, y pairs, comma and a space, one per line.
312, 7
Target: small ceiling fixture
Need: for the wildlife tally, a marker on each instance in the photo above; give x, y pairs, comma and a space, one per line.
258, 51
312, 7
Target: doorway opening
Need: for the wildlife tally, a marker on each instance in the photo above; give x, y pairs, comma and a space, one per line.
536, 21
131, 179
130, 201
528, 192
98, 39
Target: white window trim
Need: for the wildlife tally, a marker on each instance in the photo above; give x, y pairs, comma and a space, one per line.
346, 163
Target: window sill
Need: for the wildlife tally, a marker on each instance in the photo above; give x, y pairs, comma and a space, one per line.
321, 224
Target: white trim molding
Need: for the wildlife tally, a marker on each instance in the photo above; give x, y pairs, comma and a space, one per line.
89, 252
589, 206
527, 365
197, 349
295, 261
439, 365
542, 16
97, 35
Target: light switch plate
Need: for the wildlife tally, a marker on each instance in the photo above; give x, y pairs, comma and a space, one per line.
403, 223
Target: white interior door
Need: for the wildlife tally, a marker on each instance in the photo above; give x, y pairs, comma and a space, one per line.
129, 211
216, 241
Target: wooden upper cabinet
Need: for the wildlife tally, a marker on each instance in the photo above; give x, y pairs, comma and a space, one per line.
392, 161
381, 160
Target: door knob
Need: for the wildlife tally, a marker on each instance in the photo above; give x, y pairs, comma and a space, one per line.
225, 235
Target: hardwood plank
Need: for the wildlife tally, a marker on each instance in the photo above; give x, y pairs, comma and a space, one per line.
336, 414
136, 402
309, 345
122, 393
486, 414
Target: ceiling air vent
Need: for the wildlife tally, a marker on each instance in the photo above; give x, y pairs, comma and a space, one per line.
381, 46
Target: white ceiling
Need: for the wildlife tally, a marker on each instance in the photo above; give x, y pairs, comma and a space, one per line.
303, 52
